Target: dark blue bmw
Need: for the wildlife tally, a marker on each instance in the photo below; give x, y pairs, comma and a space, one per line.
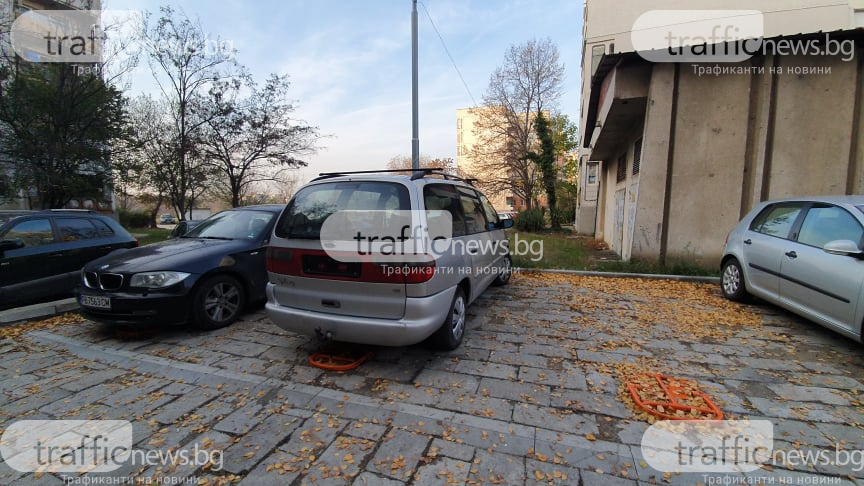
206, 277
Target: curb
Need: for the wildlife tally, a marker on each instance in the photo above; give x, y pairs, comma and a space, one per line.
647, 276
46, 309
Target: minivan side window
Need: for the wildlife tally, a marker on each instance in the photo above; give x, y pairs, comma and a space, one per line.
475, 219
443, 197
829, 223
776, 220
491, 214
33, 232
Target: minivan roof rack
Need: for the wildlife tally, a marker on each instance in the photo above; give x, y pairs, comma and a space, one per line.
417, 174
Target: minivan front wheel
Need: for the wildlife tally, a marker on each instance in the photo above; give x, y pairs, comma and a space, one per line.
449, 335
506, 271
218, 302
732, 281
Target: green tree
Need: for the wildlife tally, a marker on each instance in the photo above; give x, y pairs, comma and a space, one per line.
58, 129
545, 161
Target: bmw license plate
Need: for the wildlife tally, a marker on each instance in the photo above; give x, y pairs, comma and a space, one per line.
96, 301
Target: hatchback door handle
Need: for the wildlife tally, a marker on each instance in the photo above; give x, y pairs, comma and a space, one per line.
748, 241
791, 254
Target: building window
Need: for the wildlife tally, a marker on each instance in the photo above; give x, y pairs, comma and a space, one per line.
637, 156
622, 168
510, 201
459, 123
592, 173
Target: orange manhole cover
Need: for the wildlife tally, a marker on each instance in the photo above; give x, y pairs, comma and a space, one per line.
672, 399
338, 362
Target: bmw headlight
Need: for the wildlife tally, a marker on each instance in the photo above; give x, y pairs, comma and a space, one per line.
157, 280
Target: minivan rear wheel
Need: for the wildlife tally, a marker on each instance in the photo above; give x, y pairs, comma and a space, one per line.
449, 335
732, 281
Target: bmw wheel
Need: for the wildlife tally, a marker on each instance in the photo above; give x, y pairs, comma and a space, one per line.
218, 302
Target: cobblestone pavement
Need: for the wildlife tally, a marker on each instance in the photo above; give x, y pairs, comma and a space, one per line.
533, 396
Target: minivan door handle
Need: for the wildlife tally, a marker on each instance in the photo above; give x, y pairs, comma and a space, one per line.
472, 251
791, 254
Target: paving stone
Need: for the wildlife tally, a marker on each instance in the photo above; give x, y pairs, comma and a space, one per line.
497, 468
398, 454
368, 479
94, 378
473, 404
546, 473
446, 448
440, 379
810, 394
341, 462
599, 403
258, 443
555, 419
519, 359
183, 404
271, 473
365, 429
242, 419
490, 370
442, 471
512, 390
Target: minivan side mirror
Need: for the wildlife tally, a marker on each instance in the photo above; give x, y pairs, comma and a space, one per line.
506, 223
843, 247
7, 245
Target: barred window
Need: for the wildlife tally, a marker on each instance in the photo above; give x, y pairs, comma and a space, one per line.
637, 156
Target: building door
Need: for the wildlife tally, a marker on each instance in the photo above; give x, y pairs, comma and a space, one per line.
618, 239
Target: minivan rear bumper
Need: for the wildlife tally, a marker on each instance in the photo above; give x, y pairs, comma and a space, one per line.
423, 316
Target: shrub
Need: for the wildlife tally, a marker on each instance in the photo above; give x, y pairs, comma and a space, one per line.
530, 220
560, 216
134, 219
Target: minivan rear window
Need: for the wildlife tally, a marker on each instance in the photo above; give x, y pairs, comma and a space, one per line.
314, 204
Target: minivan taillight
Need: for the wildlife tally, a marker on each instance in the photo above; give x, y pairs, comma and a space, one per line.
279, 260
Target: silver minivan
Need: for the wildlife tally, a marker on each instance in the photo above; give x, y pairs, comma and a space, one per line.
394, 298
804, 255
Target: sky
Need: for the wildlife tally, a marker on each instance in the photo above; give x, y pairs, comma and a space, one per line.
349, 63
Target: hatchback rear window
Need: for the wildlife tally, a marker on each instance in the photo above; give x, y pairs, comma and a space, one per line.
314, 204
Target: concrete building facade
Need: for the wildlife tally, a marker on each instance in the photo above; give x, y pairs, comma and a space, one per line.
680, 155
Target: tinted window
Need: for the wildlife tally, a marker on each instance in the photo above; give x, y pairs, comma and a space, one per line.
33, 232
104, 230
443, 197
776, 220
491, 214
76, 229
314, 204
475, 218
829, 223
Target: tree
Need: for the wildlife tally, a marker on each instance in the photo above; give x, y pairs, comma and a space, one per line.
404, 162
186, 64
242, 140
545, 161
528, 83
58, 129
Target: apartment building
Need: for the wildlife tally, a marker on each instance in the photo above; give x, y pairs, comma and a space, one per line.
674, 154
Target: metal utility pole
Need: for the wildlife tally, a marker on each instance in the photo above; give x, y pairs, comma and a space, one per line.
415, 122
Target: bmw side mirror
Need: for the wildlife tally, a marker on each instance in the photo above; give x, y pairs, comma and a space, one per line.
844, 248
506, 223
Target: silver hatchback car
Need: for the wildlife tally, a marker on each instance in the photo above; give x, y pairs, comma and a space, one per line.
804, 255
376, 297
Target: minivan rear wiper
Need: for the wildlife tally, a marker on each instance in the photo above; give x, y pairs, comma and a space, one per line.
215, 238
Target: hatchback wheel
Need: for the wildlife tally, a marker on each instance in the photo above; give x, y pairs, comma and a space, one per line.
506, 271
450, 335
732, 281
218, 302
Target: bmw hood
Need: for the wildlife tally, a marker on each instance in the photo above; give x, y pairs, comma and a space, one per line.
183, 254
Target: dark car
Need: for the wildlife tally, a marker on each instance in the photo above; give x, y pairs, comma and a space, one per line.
42, 252
183, 227
206, 277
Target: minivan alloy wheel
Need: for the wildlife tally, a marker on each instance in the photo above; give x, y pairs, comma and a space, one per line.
457, 318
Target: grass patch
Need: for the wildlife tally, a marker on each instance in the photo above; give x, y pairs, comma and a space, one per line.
561, 250
547, 250
146, 236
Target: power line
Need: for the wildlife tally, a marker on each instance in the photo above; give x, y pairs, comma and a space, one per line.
452, 61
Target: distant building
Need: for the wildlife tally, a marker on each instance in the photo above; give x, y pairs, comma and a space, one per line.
672, 157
